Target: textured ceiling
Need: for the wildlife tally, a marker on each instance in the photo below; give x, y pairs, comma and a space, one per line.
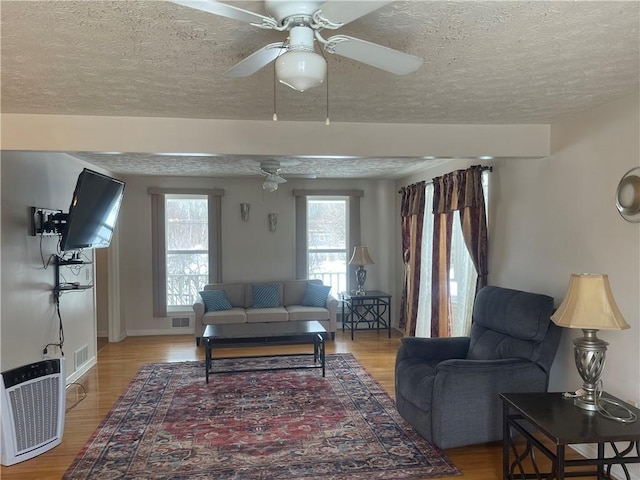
500, 62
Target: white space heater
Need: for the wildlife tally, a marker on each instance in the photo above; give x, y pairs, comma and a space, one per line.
33, 406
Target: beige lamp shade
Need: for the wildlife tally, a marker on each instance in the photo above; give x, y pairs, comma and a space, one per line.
589, 304
360, 256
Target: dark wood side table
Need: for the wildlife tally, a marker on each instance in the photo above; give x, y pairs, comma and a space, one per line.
369, 311
539, 415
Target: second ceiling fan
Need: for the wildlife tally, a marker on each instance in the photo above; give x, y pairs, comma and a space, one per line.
297, 63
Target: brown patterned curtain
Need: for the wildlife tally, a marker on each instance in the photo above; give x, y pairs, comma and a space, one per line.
412, 216
460, 190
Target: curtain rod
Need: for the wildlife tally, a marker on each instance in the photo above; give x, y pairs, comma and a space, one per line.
483, 168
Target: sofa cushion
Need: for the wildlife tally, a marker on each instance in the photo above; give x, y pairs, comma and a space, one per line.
261, 315
315, 295
215, 300
299, 312
221, 317
293, 290
266, 295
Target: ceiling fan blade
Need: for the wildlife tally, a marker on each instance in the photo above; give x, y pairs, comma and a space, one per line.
378, 56
256, 60
274, 177
226, 10
341, 12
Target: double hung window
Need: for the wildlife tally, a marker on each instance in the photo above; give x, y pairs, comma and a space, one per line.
187, 242
185, 245
327, 242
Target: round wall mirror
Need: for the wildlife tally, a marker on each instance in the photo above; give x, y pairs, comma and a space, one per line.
628, 196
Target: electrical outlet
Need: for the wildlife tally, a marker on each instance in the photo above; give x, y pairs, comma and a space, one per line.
53, 351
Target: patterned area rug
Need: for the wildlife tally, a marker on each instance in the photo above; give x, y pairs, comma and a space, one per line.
275, 425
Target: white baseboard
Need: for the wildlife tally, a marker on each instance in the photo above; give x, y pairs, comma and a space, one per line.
102, 333
82, 370
161, 331
591, 451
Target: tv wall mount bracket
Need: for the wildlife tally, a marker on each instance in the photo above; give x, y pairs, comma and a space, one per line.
46, 222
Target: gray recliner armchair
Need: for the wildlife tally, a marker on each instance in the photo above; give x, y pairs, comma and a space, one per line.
448, 388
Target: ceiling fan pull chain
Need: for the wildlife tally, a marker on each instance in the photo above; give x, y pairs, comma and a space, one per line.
327, 122
275, 115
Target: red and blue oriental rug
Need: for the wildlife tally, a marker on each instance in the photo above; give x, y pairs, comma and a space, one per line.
271, 425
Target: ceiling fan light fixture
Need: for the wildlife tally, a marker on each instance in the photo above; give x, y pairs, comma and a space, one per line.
301, 70
270, 185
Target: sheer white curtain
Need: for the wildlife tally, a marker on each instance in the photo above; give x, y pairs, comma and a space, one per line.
463, 276
423, 322
462, 285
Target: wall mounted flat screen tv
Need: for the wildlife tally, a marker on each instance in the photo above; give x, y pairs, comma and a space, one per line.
93, 211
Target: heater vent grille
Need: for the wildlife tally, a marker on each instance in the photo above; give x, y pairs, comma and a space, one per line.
81, 356
180, 322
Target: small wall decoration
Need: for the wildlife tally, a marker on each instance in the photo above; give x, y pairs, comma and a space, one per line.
628, 196
273, 222
244, 211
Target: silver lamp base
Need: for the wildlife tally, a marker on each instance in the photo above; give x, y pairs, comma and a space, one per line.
361, 277
589, 354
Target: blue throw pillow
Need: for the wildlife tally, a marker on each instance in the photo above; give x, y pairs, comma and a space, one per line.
215, 300
316, 295
266, 295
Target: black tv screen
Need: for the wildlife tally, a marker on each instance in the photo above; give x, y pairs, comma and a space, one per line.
93, 211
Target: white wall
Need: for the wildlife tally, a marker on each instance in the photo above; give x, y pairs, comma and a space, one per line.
28, 316
249, 250
557, 216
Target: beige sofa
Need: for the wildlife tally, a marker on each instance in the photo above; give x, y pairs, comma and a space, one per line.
290, 308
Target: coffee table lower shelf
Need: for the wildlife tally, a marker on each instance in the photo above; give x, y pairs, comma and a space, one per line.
279, 333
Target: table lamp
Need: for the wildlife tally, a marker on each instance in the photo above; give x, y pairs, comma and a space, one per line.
360, 258
589, 305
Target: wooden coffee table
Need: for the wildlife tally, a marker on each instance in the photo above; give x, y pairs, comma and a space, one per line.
261, 334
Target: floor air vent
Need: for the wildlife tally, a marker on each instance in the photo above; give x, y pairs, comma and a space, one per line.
33, 406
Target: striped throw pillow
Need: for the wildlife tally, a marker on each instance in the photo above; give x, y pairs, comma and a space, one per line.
266, 295
215, 300
315, 295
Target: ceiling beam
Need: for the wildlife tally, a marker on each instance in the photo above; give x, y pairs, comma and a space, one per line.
68, 133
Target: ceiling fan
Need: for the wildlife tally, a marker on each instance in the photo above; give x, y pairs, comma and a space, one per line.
297, 64
271, 170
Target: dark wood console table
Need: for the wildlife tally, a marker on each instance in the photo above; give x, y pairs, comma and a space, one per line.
544, 418
371, 310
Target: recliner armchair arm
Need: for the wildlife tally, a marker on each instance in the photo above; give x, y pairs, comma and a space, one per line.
475, 386
434, 348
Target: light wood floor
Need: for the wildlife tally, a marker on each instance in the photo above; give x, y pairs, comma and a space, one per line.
119, 362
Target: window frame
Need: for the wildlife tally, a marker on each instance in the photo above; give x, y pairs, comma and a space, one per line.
167, 198
158, 241
327, 198
301, 227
